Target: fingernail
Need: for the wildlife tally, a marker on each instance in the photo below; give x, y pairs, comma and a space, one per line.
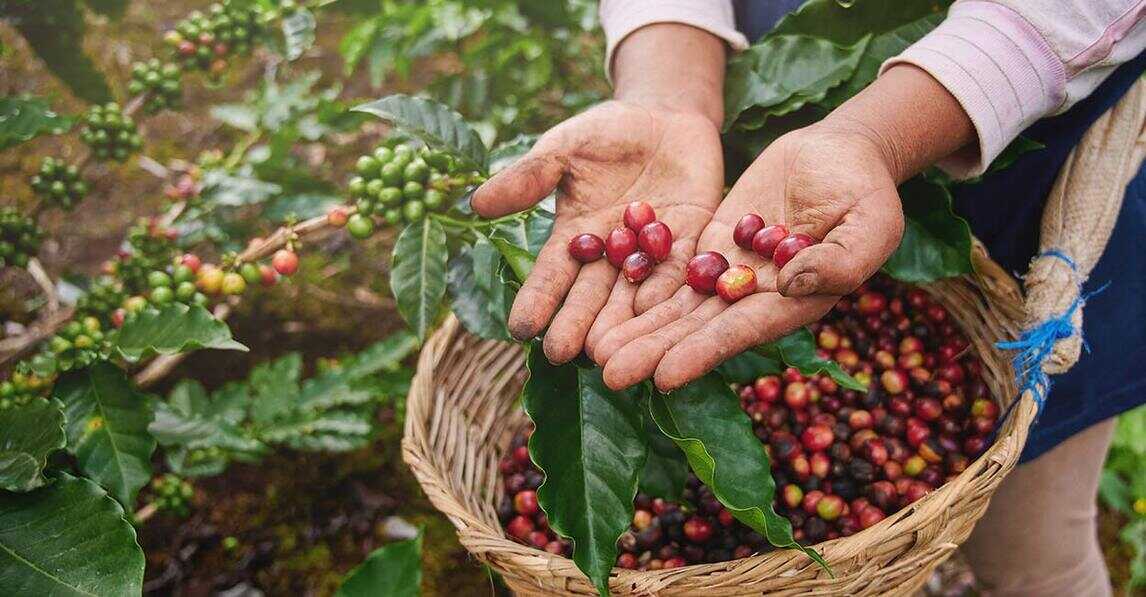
802, 285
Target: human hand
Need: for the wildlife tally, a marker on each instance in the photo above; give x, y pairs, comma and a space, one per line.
598, 162
832, 183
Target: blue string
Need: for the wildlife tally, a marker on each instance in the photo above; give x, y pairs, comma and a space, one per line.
1037, 343
1058, 254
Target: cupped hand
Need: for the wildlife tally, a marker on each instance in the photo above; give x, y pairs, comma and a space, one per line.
831, 183
599, 161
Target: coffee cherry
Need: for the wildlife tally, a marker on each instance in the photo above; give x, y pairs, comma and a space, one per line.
797, 395
192, 261
816, 438
985, 408
360, 226
736, 283
698, 530
210, 279
233, 284
870, 517
638, 214
746, 229
285, 262
703, 270
637, 267
337, 216
520, 528
786, 249
830, 507
627, 561
586, 248
620, 243
765, 240
525, 503
655, 239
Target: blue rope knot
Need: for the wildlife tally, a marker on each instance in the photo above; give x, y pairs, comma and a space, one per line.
1060, 255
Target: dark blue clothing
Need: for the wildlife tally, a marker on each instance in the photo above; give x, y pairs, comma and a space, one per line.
1005, 209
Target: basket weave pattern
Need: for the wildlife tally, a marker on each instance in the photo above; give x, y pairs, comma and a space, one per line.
463, 410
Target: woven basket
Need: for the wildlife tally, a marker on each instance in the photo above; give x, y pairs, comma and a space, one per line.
463, 409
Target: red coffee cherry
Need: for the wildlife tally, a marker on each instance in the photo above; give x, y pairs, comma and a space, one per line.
746, 229
787, 248
639, 214
637, 267
698, 530
285, 262
764, 242
655, 238
703, 270
525, 503
736, 283
620, 243
586, 248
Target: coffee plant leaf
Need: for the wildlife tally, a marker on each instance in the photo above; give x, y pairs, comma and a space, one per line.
393, 570
666, 469
418, 274
40, 535
275, 387
798, 350
508, 152
330, 431
357, 41
437, 125
225, 189
172, 428
298, 33
481, 307
589, 442
883, 45
846, 23
529, 232
173, 329
783, 73
384, 355
705, 420
107, 428
54, 30
25, 118
519, 259
329, 391
936, 241
31, 433
745, 367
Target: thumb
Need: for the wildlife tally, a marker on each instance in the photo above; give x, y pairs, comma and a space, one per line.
521, 185
851, 251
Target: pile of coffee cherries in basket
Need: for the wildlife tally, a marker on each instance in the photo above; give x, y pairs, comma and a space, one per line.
644, 241
842, 460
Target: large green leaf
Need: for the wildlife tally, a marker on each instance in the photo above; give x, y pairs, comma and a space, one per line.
174, 329
705, 420
384, 355
28, 435
884, 45
393, 570
298, 32
798, 350
747, 366
68, 538
107, 428
847, 22
54, 29
477, 296
274, 385
936, 242
783, 73
666, 469
24, 118
589, 442
331, 431
436, 124
418, 273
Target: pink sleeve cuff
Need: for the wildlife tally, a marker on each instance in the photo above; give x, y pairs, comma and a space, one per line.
619, 18
1000, 69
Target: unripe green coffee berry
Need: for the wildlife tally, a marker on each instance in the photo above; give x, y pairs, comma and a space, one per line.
414, 211
360, 226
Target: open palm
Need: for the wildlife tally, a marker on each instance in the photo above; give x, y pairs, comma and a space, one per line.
831, 186
598, 162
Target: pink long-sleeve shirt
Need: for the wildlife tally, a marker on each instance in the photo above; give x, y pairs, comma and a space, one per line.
1007, 62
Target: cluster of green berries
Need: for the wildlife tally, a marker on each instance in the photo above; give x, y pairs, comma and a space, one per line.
399, 184
110, 133
206, 41
59, 183
23, 386
150, 247
19, 238
160, 82
172, 494
176, 286
104, 296
79, 344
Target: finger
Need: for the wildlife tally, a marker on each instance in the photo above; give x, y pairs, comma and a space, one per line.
681, 303
761, 317
667, 276
616, 311
637, 360
566, 335
851, 252
521, 185
552, 276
